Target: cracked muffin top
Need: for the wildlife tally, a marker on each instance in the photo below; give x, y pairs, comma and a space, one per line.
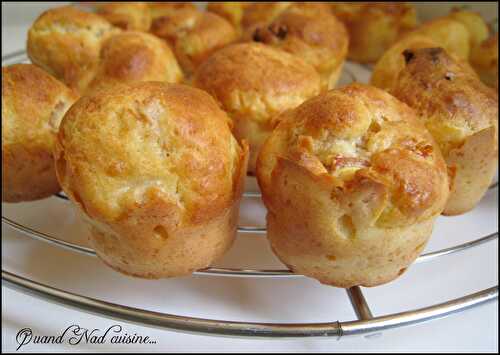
366, 149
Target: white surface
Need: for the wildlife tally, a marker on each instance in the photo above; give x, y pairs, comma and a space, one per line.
273, 300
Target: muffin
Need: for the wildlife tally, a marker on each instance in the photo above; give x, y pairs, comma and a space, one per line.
193, 35
33, 104
231, 11
353, 184
157, 175
133, 16
484, 59
66, 42
253, 83
132, 57
462, 115
387, 68
317, 37
374, 27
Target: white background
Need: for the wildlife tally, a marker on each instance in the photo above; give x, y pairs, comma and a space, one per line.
287, 300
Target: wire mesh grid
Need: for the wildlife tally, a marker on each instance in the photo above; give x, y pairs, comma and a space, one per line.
365, 323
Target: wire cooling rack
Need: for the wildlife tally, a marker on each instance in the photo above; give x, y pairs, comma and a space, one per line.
365, 323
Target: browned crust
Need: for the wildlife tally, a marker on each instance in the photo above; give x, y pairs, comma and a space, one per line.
135, 56
258, 68
253, 83
386, 70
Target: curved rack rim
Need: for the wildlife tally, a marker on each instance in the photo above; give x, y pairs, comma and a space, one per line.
244, 329
233, 272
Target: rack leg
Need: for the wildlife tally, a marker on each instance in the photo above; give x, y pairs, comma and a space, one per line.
360, 306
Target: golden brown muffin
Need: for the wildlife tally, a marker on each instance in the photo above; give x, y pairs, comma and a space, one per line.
66, 42
317, 37
253, 83
387, 68
448, 33
353, 183
33, 104
477, 28
194, 35
231, 11
374, 27
133, 16
484, 59
157, 175
462, 115
133, 57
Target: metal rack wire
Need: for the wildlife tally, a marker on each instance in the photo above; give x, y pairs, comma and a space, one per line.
366, 323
